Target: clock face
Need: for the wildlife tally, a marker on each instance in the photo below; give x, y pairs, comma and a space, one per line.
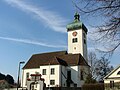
74, 33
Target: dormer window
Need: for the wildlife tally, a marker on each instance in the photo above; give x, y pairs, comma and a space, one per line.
118, 73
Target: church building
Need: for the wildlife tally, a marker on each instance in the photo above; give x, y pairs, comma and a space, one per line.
61, 68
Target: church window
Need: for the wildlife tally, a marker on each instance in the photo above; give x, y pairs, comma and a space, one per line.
82, 75
84, 41
44, 72
52, 71
74, 40
52, 82
27, 75
118, 73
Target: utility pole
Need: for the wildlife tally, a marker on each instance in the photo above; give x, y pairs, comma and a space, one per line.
18, 84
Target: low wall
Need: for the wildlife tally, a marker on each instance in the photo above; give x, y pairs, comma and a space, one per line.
63, 88
14, 89
10, 89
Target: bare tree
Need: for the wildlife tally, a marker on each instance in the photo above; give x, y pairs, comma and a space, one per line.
99, 67
109, 31
92, 60
103, 68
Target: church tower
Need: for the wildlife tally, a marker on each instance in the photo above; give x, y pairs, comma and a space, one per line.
77, 37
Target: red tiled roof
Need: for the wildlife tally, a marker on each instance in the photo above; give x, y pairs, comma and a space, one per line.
2, 81
55, 58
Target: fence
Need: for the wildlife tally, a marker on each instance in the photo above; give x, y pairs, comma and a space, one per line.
9, 89
97, 86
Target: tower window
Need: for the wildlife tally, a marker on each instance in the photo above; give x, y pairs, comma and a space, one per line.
84, 41
84, 35
74, 40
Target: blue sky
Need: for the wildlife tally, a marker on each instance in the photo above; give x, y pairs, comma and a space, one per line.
36, 26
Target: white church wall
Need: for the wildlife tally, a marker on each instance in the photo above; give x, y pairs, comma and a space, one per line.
75, 75
84, 45
80, 46
63, 76
49, 76
24, 77
77, 45
58, 77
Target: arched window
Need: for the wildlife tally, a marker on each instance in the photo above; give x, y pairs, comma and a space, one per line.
118, 73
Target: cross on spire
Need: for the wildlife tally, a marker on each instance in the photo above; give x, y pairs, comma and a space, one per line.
76, 17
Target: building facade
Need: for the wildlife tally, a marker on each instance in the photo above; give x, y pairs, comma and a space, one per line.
62, 68
113, 76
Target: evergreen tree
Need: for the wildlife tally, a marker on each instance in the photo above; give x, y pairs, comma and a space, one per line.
2, 76
10, 79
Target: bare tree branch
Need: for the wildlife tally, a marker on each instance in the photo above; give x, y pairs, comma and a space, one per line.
109, 31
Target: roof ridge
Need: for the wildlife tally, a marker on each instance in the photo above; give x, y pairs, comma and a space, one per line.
51, 52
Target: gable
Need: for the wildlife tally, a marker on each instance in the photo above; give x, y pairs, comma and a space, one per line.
114, 74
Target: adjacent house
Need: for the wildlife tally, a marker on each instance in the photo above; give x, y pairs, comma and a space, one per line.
4, 84
113, 78
62, 68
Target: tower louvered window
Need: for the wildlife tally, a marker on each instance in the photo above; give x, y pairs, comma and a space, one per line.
74, 40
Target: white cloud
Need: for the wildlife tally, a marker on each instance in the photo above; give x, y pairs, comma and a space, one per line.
27, 41
49, 18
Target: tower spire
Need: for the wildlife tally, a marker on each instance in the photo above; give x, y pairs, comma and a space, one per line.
76, 17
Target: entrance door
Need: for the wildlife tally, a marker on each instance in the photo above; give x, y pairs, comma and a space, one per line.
33, 86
